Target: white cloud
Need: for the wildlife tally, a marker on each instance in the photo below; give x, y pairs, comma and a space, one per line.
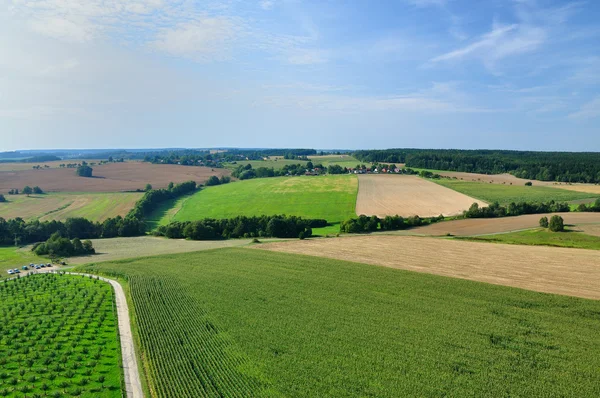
202, 40
266, 4
590, 110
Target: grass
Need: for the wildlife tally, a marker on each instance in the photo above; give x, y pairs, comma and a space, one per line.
342, 160
246, 322
275, 163
58, 337
12, 257
328, 197
543, 237
505, 194
60, 206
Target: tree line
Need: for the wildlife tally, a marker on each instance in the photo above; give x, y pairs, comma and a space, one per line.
364, 223
494, 210
277, 226
544, 166
153, 198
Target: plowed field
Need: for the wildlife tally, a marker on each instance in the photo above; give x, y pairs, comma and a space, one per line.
112, 177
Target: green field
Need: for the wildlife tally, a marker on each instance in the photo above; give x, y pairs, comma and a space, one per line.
543, 237
58, 337
328, 197
342, 160
246, 322
12, 257
505, 194
60, 206
275, 163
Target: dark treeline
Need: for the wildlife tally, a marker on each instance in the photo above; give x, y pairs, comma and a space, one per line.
246, 172
544, 166
153, 198
277, 226
57, 246
514, 209
24, 232
389, 223
592, 207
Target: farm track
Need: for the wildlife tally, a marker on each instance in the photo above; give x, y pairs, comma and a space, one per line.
133, 383
388, 195
573, 272
487, 226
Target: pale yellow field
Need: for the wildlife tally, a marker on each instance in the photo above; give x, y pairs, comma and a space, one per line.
404, 195
574, 272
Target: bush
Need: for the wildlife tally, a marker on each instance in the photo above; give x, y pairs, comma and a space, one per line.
544, 222
528, 184
84, 171
2, 198
556, 224
212, 181
37, 190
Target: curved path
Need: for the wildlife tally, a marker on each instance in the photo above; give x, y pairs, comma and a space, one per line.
133, 384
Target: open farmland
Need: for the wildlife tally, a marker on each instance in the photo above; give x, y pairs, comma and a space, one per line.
574, 272
60, 206
571, 237
383, 195
275, 324
122, 248
276, 163
342, 160
478, 226
505, 194
58, 338
328, 197
111, 177
18, 166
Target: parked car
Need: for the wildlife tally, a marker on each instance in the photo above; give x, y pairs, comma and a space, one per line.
37, 266
10, 271
16, 270
24, 268
49, 265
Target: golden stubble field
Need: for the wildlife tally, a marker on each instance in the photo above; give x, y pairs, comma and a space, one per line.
384, 195
573, 272
486, 226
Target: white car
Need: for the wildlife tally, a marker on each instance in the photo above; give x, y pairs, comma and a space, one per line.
10, 271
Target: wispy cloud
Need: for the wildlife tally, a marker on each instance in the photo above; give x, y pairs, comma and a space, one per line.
590, 110
266, 4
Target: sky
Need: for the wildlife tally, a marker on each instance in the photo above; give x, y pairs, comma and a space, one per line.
496, 74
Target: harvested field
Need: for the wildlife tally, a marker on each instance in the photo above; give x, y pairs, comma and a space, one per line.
112, 177
122, 248
479, 226
589, 229
17, 166
383, 195
508, 179
60, 206
573, 272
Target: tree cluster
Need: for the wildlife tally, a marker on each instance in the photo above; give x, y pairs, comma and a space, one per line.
57, 246
214, 180
592, 207
247, 172
364, 223
84, 171
544, 166
278, 226
494, 210
153, 198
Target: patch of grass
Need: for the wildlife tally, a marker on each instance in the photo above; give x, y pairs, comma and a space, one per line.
505, 194
58, 336
275, 163
248, 322
542, 237
328, 197
60, 206
13, 257
342, 160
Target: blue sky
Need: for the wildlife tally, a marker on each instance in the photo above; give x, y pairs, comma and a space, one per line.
516, 74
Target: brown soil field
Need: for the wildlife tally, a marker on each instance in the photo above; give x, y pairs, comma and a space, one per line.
18, 166
143, 246
573, 272
590, 229
481, 226
112, 177
384, 195
507, 179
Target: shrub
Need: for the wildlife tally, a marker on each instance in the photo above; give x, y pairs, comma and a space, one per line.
2, 198
556, 224
213, 180
528, 184
544, 222
84, 171
37, 190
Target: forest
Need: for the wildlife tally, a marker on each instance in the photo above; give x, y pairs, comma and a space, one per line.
543, 166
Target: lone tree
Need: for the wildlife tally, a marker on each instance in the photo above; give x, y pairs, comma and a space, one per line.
148, 187
544, 222
27, 190
557, 224
84, 171
37, 190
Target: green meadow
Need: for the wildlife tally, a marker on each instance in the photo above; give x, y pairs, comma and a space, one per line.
327, 197
505, 194
247, 322
12, 257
